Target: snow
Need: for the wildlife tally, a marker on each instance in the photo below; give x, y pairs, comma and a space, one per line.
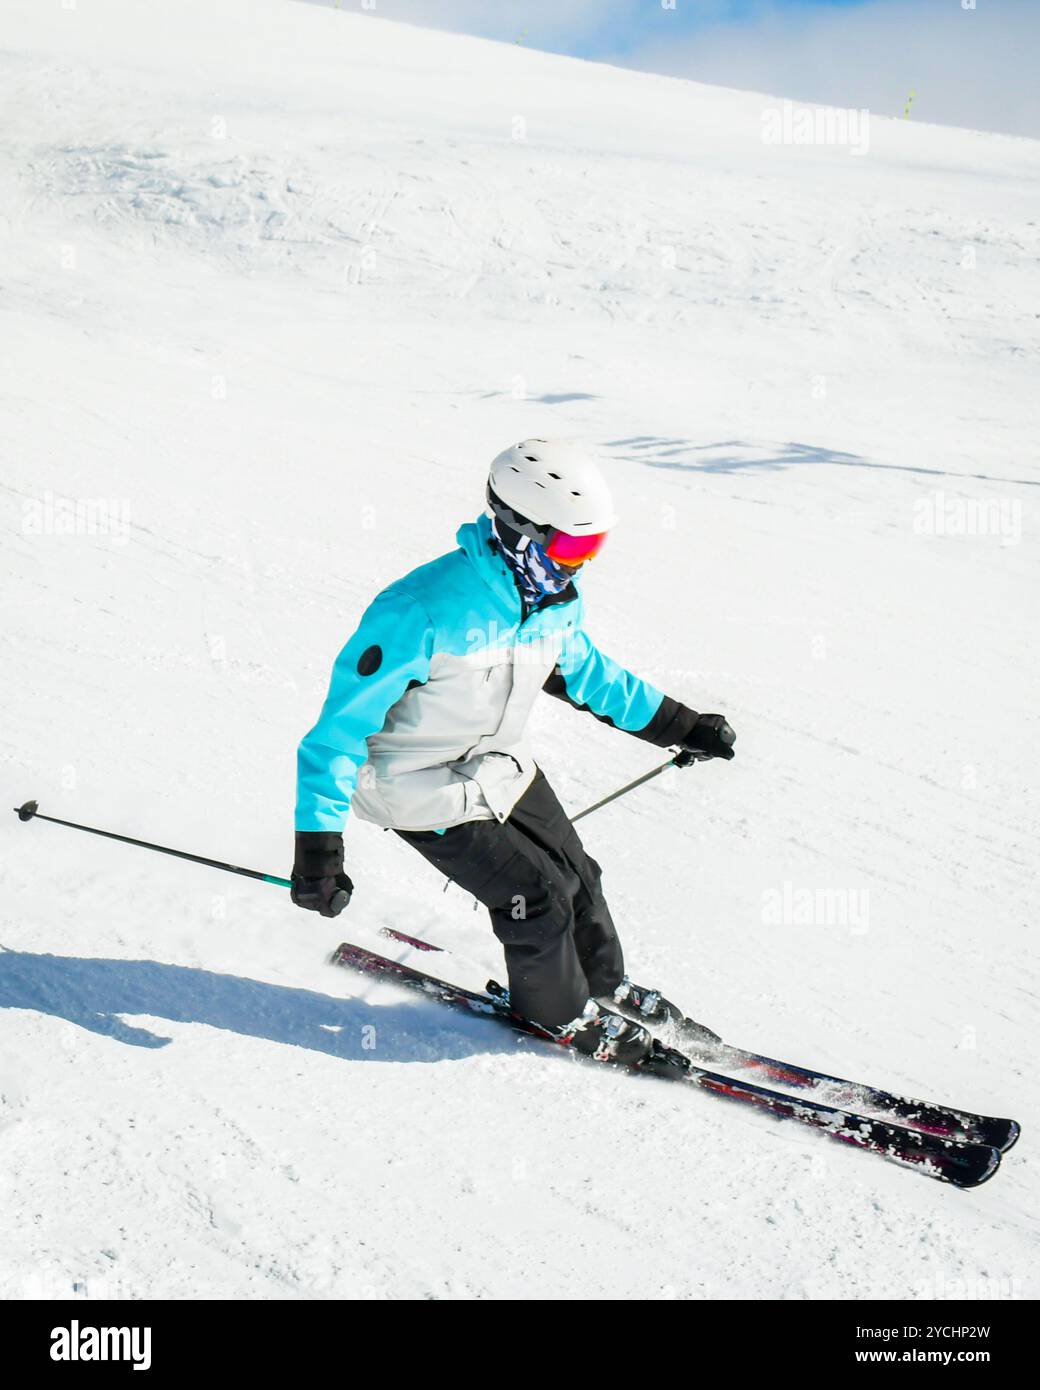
278, 281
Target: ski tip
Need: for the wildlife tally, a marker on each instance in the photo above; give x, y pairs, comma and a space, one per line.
979, 1165
1000, 1133
27, 810
1014, 1129
392, 934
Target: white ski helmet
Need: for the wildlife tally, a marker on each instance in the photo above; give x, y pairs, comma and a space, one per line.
541, 486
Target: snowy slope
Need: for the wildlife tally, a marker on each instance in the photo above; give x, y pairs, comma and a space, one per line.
277, 282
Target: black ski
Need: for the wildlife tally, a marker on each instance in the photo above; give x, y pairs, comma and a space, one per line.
943, 1121
930, 1117
963, 1164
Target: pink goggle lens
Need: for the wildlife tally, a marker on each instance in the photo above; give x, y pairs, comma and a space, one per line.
574, 550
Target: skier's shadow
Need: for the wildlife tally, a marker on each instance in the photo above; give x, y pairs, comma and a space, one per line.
94, 994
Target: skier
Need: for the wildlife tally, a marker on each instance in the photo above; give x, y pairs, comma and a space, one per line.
422, 731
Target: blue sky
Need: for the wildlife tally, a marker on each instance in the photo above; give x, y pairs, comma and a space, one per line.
611, 29
968, 62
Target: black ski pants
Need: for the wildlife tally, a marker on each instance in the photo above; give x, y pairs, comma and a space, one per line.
543, 893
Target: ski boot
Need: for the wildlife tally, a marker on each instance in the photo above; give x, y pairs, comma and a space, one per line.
649, 1007
607, 1037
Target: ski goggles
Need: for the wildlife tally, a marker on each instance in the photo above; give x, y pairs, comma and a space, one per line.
566, 549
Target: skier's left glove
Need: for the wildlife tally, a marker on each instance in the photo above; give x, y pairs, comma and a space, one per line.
710, 737
318, 881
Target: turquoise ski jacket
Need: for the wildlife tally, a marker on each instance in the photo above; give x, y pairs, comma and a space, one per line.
423, 727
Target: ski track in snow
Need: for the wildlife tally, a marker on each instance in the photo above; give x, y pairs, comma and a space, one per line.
282, 280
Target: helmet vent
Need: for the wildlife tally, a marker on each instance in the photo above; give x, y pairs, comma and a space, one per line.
575, 494
530, 458
555, 475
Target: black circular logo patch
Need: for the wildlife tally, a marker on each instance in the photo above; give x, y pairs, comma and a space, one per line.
370, 661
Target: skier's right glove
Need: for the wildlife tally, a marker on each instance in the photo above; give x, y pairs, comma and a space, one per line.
318, 881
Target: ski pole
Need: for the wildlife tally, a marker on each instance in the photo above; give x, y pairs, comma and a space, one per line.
681, 759
30, 811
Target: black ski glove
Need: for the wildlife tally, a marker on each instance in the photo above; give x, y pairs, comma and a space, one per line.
700, 736
318, 881
710, 737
